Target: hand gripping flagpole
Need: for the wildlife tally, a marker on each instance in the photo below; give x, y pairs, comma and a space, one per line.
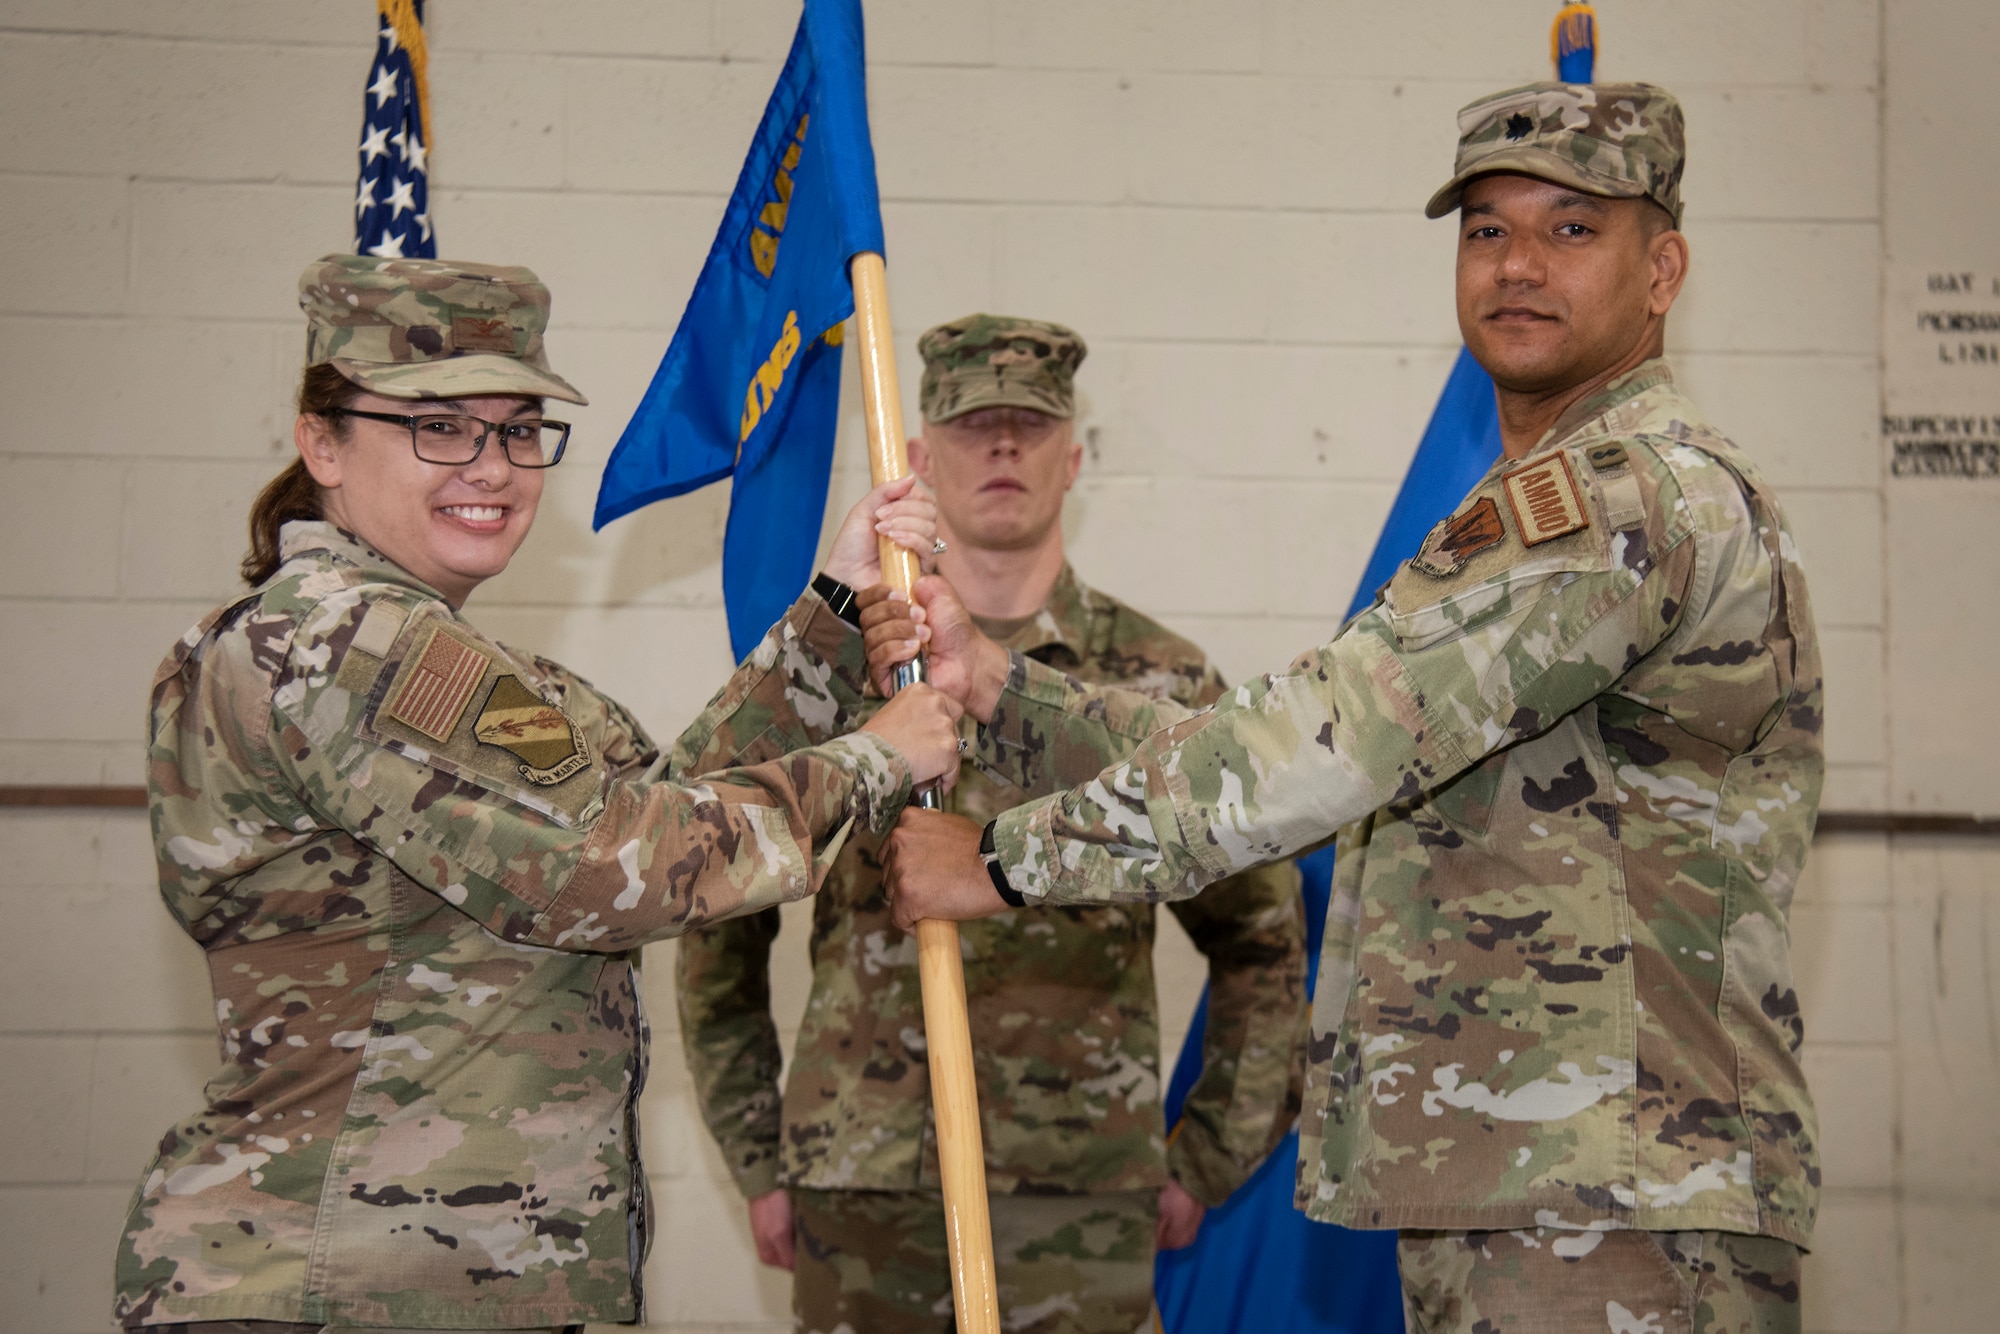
947, 1034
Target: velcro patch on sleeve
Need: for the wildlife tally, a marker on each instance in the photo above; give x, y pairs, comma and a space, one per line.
1624, 506
434, 696
373, 641
376, 634
1545, 500
1454, 542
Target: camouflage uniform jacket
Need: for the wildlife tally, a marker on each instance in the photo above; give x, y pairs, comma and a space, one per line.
1577, 778
1065, 1022
421, 914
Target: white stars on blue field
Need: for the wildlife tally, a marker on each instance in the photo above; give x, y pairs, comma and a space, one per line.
392, 215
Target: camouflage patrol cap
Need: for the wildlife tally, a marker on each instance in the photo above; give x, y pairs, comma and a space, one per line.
990, 361
1625, 140
430, 328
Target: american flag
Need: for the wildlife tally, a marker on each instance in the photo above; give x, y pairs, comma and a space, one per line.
392, 210
435, 696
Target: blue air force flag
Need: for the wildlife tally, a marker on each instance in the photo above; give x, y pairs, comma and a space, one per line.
751, 380
392, 206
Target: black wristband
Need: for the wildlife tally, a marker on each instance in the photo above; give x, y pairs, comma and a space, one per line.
838, 596
988, 854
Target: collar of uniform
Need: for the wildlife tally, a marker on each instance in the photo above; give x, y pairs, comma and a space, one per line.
317, 537
1064, 621
1646, 375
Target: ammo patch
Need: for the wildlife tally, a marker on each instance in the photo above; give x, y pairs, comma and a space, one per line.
434, 697
1458, 539
541, 736
482, 333
1545, 500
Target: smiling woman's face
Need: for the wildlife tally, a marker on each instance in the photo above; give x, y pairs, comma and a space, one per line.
454, 527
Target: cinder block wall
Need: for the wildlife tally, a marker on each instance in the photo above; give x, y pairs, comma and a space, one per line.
1222, 195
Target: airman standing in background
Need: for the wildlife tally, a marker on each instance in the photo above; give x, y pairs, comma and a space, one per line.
840, 1167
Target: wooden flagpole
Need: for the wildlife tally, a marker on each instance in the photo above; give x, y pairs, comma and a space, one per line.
947, 1034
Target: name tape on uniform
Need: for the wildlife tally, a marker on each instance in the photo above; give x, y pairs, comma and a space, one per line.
1545, 500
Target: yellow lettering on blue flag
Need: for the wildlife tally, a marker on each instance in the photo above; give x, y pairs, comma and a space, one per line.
750, 384
770, 228
764, 384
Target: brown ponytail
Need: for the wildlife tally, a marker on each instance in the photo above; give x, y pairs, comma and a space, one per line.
293, 494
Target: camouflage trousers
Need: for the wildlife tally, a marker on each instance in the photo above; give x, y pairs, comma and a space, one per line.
874, 1262
1547, 1281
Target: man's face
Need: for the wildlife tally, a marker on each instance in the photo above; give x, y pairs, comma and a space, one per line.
999, 474
1556, 286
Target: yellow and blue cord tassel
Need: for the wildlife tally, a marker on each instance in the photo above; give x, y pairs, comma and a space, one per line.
1573, 43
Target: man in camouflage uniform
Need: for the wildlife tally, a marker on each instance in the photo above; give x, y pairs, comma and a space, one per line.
1062, 1006
1573, 755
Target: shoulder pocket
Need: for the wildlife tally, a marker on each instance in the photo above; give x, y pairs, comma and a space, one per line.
1507, 546
449, 700
1463, 611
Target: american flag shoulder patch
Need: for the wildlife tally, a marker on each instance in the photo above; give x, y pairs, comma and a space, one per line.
433, 698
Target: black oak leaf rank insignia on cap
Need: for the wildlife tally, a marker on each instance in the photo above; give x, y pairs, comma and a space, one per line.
1458, 539
538, 733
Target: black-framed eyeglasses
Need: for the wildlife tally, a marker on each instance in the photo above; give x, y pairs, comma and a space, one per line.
455, 438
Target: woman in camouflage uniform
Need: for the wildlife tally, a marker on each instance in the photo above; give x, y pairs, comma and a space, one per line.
421, 863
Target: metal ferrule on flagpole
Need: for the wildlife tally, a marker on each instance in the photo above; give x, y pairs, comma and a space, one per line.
954, 1092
